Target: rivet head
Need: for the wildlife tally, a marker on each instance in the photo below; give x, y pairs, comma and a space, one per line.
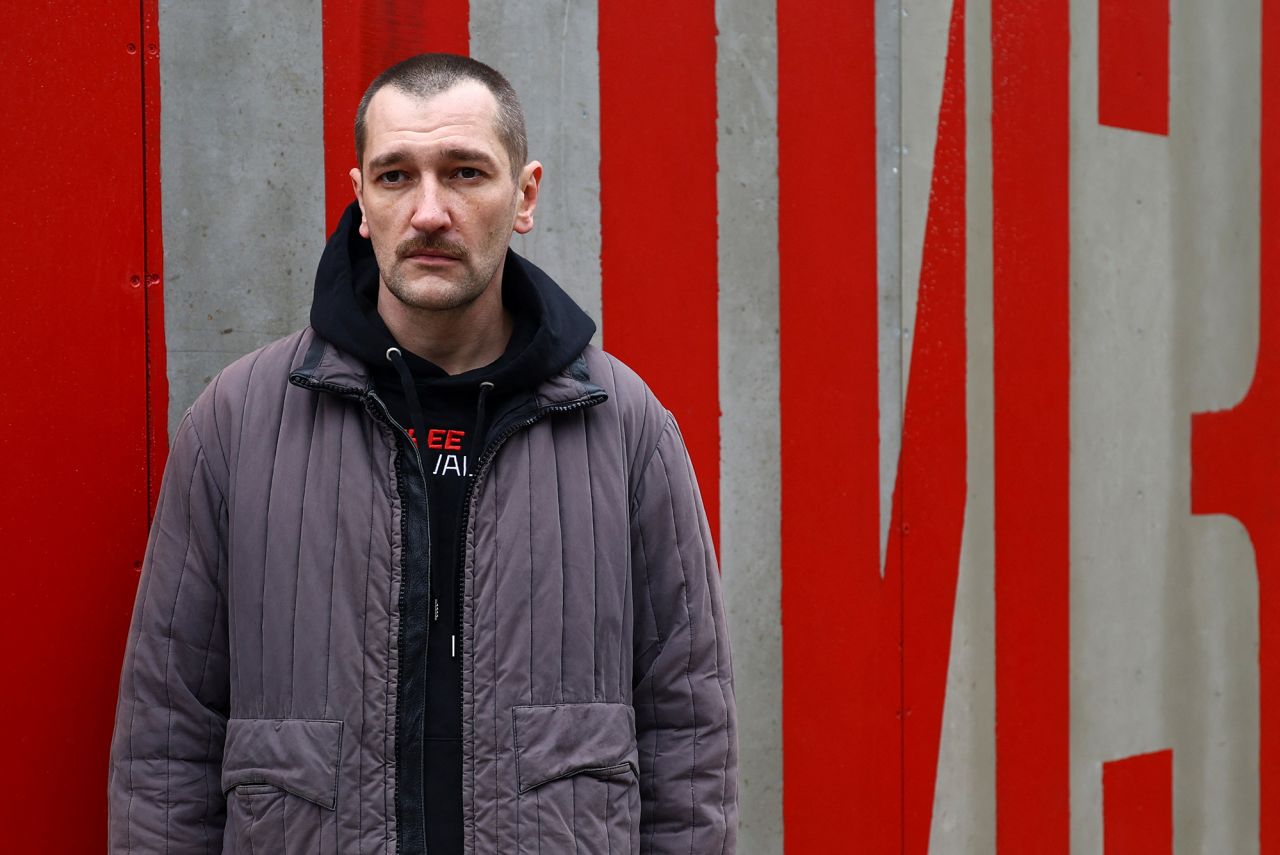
131, 47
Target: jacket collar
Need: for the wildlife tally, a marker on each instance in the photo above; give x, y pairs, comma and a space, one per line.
324, 367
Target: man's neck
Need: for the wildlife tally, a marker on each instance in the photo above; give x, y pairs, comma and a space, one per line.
456, 340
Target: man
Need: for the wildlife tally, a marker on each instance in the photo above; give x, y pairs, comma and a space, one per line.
432, 575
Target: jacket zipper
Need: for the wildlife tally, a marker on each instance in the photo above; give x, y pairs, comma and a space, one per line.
422, 472
426, 640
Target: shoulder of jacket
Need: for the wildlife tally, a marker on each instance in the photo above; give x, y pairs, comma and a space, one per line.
643, 417
625, 387
262, 373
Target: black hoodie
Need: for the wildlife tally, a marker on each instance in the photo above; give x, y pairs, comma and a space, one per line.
455, 414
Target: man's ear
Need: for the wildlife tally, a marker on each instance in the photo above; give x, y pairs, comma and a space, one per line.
357, 186
527, 186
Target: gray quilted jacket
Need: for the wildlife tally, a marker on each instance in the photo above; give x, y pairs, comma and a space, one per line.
257, 707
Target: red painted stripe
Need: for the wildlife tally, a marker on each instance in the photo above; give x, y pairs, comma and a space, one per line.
1133, 64
842, 762
153, 293
924, 548
1030, 132
1234, 467
360, 40
73, 510
658, 212
1137, 805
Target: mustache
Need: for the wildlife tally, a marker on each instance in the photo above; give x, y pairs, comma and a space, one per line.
431, 243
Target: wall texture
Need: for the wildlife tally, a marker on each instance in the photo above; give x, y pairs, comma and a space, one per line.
967, 308
242, 163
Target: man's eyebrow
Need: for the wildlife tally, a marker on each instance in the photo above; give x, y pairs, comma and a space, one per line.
470, 154
388, 159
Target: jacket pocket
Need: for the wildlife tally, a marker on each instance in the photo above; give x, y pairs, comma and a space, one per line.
577, 778
281, 781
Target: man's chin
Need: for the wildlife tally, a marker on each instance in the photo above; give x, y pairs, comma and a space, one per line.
431, 293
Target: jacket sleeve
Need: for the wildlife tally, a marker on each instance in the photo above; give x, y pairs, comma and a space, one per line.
164, 791
683, 693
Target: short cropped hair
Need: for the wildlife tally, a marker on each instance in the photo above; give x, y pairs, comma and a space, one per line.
429, 74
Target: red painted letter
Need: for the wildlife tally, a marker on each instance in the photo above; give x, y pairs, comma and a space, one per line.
1137, 805
1029, 124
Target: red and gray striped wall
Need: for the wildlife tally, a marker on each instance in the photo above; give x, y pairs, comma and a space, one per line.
967, 309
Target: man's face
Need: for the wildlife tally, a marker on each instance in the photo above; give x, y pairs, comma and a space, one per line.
438, 197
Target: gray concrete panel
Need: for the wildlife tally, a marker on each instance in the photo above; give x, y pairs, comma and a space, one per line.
242, 171
1164, 256
889, 251
1209, 600
747, 188
548, 52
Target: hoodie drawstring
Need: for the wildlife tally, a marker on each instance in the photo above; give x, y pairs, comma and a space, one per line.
485, 388
417, 431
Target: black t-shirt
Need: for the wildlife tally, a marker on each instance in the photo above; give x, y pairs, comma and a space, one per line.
447, 456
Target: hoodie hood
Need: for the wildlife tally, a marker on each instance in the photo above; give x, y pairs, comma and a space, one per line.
550, 329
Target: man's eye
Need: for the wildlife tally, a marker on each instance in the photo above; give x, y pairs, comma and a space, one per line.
468, 173
395, 176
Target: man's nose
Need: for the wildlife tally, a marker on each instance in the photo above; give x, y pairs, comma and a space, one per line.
431, 208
